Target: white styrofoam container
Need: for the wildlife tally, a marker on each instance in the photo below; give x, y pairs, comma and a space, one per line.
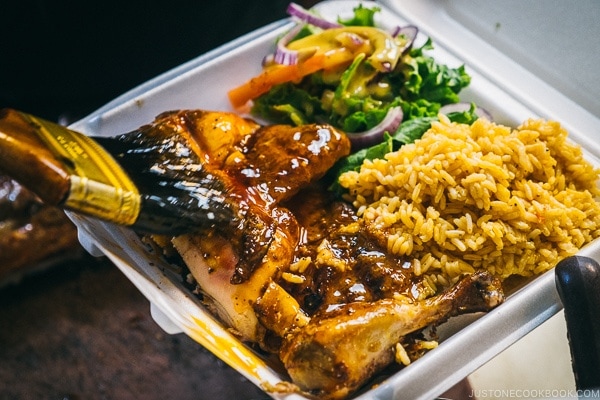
546, 55
511, 92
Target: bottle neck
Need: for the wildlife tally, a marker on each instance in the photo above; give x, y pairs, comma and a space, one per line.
66, 168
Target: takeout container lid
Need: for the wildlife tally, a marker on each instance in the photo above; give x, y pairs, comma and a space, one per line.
511, 90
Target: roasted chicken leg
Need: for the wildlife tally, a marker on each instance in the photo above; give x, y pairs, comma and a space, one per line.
338, 351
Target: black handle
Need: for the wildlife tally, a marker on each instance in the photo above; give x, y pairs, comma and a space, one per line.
578, 284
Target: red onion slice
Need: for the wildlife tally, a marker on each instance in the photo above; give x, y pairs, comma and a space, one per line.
410, 33
301, 13
389, 124
283, 55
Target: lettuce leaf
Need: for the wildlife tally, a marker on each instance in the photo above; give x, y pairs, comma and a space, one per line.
426, 79
288, 104
362, 17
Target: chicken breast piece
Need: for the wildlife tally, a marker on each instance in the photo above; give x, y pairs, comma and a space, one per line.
271, 164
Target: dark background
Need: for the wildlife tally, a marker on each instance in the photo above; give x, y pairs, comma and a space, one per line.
66, 58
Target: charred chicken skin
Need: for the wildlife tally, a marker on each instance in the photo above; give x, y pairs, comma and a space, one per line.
271, 164
226, 154
324, 297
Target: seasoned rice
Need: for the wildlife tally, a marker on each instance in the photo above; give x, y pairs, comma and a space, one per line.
485, 196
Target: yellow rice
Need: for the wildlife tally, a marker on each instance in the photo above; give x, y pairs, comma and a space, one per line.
464, 198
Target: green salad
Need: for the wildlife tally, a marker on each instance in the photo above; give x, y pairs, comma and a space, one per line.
377, 86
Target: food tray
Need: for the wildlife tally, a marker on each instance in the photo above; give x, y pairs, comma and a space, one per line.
466, 342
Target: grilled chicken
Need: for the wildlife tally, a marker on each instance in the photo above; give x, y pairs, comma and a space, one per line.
272, 164
276, 163
224, 153
338, 351
326, 298
178, 160
212, 261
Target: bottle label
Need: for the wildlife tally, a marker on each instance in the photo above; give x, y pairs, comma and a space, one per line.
99, 186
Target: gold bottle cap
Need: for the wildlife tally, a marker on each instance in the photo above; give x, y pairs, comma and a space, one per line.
99, 186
